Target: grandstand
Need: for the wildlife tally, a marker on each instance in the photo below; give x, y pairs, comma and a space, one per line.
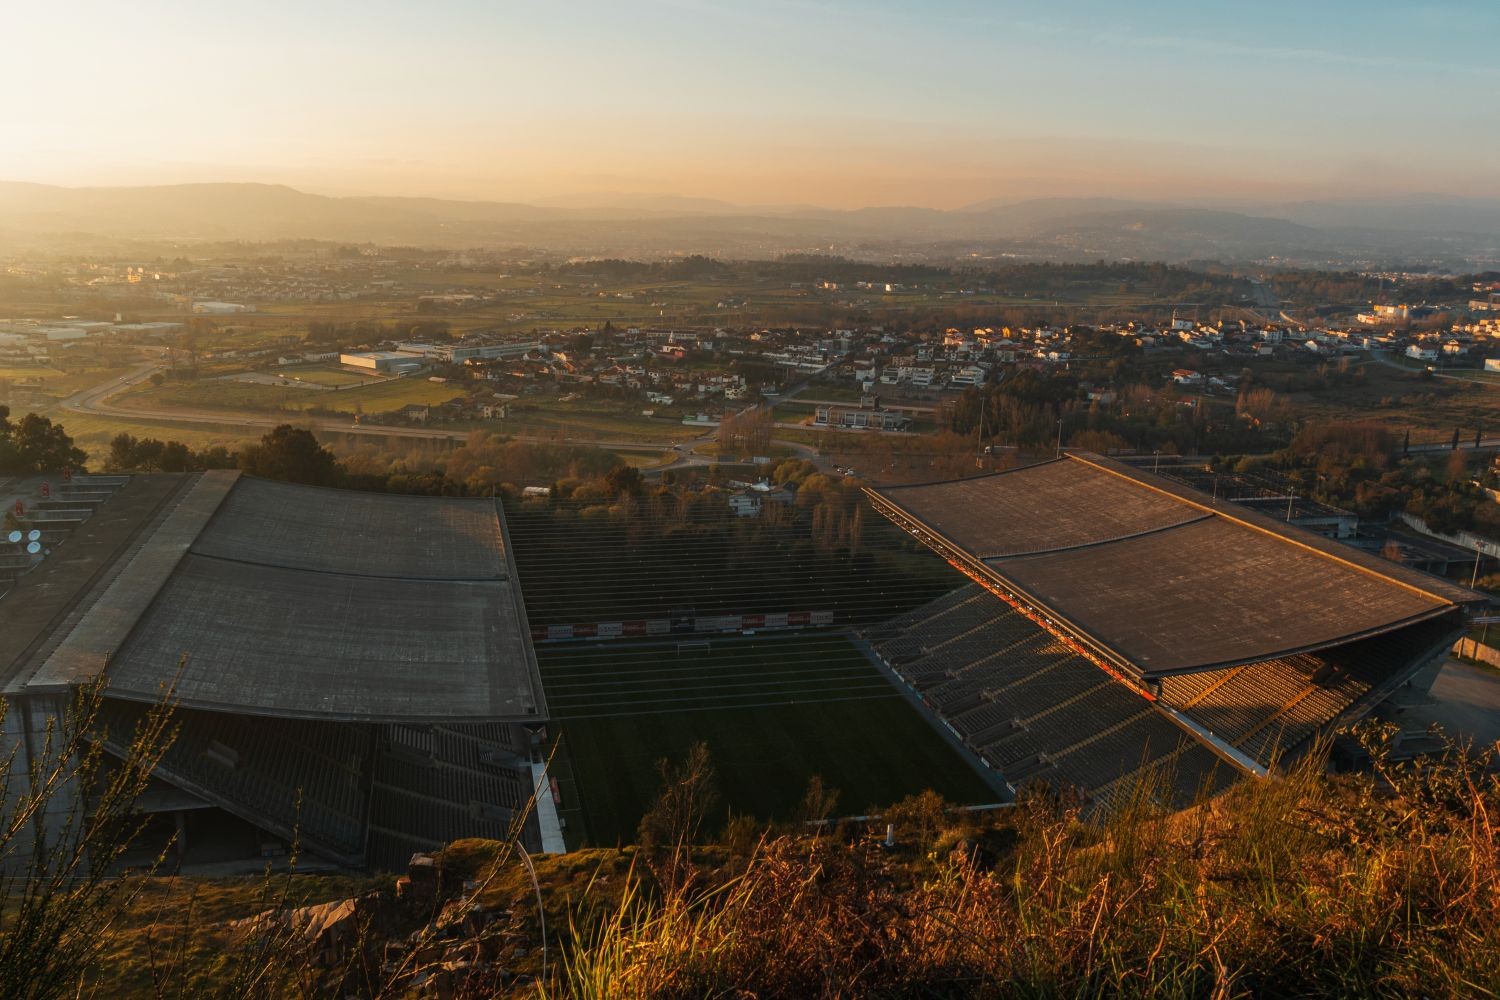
352, 671
1032, 708
1121, 624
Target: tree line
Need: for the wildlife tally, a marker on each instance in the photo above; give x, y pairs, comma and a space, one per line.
34, 444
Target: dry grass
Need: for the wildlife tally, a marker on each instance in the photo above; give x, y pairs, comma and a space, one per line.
1299, 887
1385, 884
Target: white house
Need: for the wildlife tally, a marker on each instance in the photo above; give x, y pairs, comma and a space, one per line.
745, 503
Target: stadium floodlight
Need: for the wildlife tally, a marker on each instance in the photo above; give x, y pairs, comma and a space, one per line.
32, 548
33, 535
14, 537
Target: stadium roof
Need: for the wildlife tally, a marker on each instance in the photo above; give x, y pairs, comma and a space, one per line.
46, 601
269, 598
1160, 578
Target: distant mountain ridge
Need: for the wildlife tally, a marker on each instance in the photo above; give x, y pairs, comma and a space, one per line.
1063, 228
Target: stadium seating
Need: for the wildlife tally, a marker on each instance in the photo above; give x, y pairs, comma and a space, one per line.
359, 794
290, 775
1275, 707
471, 785
919, 615
981, 718
1021, 699
1037, 711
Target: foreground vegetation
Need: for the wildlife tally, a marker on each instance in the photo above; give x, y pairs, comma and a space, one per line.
1305, 886
1384, 884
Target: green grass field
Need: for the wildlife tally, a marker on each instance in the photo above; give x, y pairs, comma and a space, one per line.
598, 419
774, 711
226, 394
29, 373
646, 460
58, 382
93, 433
393, 394
1430, 407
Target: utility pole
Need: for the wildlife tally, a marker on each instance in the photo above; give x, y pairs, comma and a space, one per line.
1474, 577
1059, 436
979, 440
1291, 499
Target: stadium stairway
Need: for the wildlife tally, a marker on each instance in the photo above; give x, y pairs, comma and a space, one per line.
433, 784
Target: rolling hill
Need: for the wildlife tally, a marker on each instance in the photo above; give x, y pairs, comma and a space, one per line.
1460, 232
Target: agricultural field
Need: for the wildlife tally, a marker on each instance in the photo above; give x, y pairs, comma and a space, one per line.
28, 373
795, 411
774, 711
229, 394
64, 381
775, 453
1430, 407
93, 433
647, 460
827, 392
605, 420
393, 394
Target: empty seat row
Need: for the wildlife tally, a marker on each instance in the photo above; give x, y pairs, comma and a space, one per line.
949, 600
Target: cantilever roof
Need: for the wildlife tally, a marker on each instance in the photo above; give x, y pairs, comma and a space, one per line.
270, 598
1054, 505
1164, 578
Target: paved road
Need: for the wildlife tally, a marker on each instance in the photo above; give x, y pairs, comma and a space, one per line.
1465, 702
1383, 358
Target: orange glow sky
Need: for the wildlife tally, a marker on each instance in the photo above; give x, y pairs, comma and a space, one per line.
776, 102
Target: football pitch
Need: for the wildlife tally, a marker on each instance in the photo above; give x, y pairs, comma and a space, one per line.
773, 710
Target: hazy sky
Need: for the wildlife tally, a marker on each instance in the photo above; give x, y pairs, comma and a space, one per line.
833, 102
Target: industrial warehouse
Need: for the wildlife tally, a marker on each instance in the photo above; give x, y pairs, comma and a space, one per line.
355, 672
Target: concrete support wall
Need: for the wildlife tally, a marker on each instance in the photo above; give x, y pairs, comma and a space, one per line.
1463, 539
1470, 649
25, 735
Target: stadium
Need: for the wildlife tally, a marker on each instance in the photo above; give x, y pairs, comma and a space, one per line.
370, 675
